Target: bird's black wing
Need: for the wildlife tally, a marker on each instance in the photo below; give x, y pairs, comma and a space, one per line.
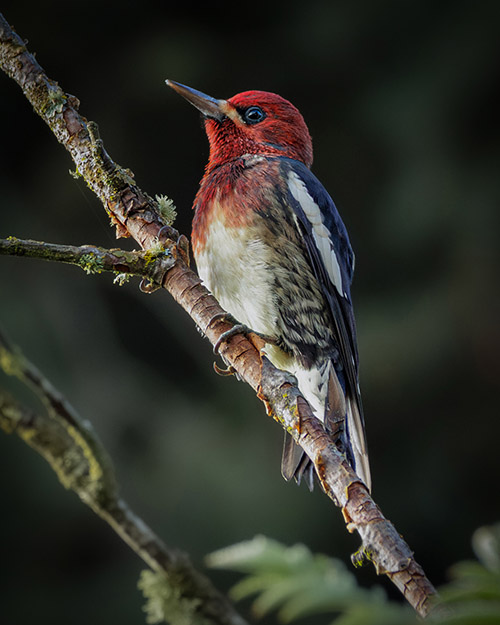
332, 259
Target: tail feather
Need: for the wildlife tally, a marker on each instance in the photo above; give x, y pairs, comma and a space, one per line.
355, 434
343, 421
295, 463
291, 457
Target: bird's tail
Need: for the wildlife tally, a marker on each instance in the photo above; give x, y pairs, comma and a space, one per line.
356, 441
344, 423
295, 463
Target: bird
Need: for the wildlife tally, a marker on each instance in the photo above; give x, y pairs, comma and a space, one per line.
269, 243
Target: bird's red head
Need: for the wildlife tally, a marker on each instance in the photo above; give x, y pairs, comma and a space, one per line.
253, 122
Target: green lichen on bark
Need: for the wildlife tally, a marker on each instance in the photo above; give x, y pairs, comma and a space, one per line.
167, 209
9, 361
67, 442
74, 458
91, 263
165, 603
54, 101
361, 557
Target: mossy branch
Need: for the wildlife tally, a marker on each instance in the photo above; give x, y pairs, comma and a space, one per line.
72, 448
136, 214
152, 263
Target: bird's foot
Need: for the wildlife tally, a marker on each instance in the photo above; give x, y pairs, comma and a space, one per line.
258, 340
168, 233
239, 328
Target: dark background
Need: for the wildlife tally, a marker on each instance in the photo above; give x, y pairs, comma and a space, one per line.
402, 102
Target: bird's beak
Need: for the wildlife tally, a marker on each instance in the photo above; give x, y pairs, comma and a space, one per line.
210, 107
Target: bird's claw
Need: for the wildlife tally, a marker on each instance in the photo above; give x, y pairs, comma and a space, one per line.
168, 233
239, 328
183, 249
257, 340
224, 372
223, 316
148, 286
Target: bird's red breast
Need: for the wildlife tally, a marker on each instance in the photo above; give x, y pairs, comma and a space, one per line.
233, 193
232, 189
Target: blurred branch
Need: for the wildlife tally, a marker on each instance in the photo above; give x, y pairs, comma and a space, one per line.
72, 448
135, 214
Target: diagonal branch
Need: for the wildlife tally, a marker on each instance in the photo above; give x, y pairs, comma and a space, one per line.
72, 448
135, 214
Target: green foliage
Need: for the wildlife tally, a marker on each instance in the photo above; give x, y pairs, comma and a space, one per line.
164, 603
473, 595
296, 583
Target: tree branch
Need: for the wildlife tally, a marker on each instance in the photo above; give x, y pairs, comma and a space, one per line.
152, 263
135, 214
71, 446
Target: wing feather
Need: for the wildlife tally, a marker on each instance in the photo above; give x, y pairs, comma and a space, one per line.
332, 260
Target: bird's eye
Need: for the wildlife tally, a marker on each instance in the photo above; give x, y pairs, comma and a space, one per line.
253, 115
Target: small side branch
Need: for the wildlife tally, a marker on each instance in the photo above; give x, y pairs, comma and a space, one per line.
153, 263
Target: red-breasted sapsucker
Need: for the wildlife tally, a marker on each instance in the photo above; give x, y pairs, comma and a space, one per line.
270, 244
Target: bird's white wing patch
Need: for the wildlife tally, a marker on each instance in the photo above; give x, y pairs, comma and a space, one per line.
320, 232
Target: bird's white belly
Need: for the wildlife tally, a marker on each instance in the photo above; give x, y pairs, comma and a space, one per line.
234, 267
